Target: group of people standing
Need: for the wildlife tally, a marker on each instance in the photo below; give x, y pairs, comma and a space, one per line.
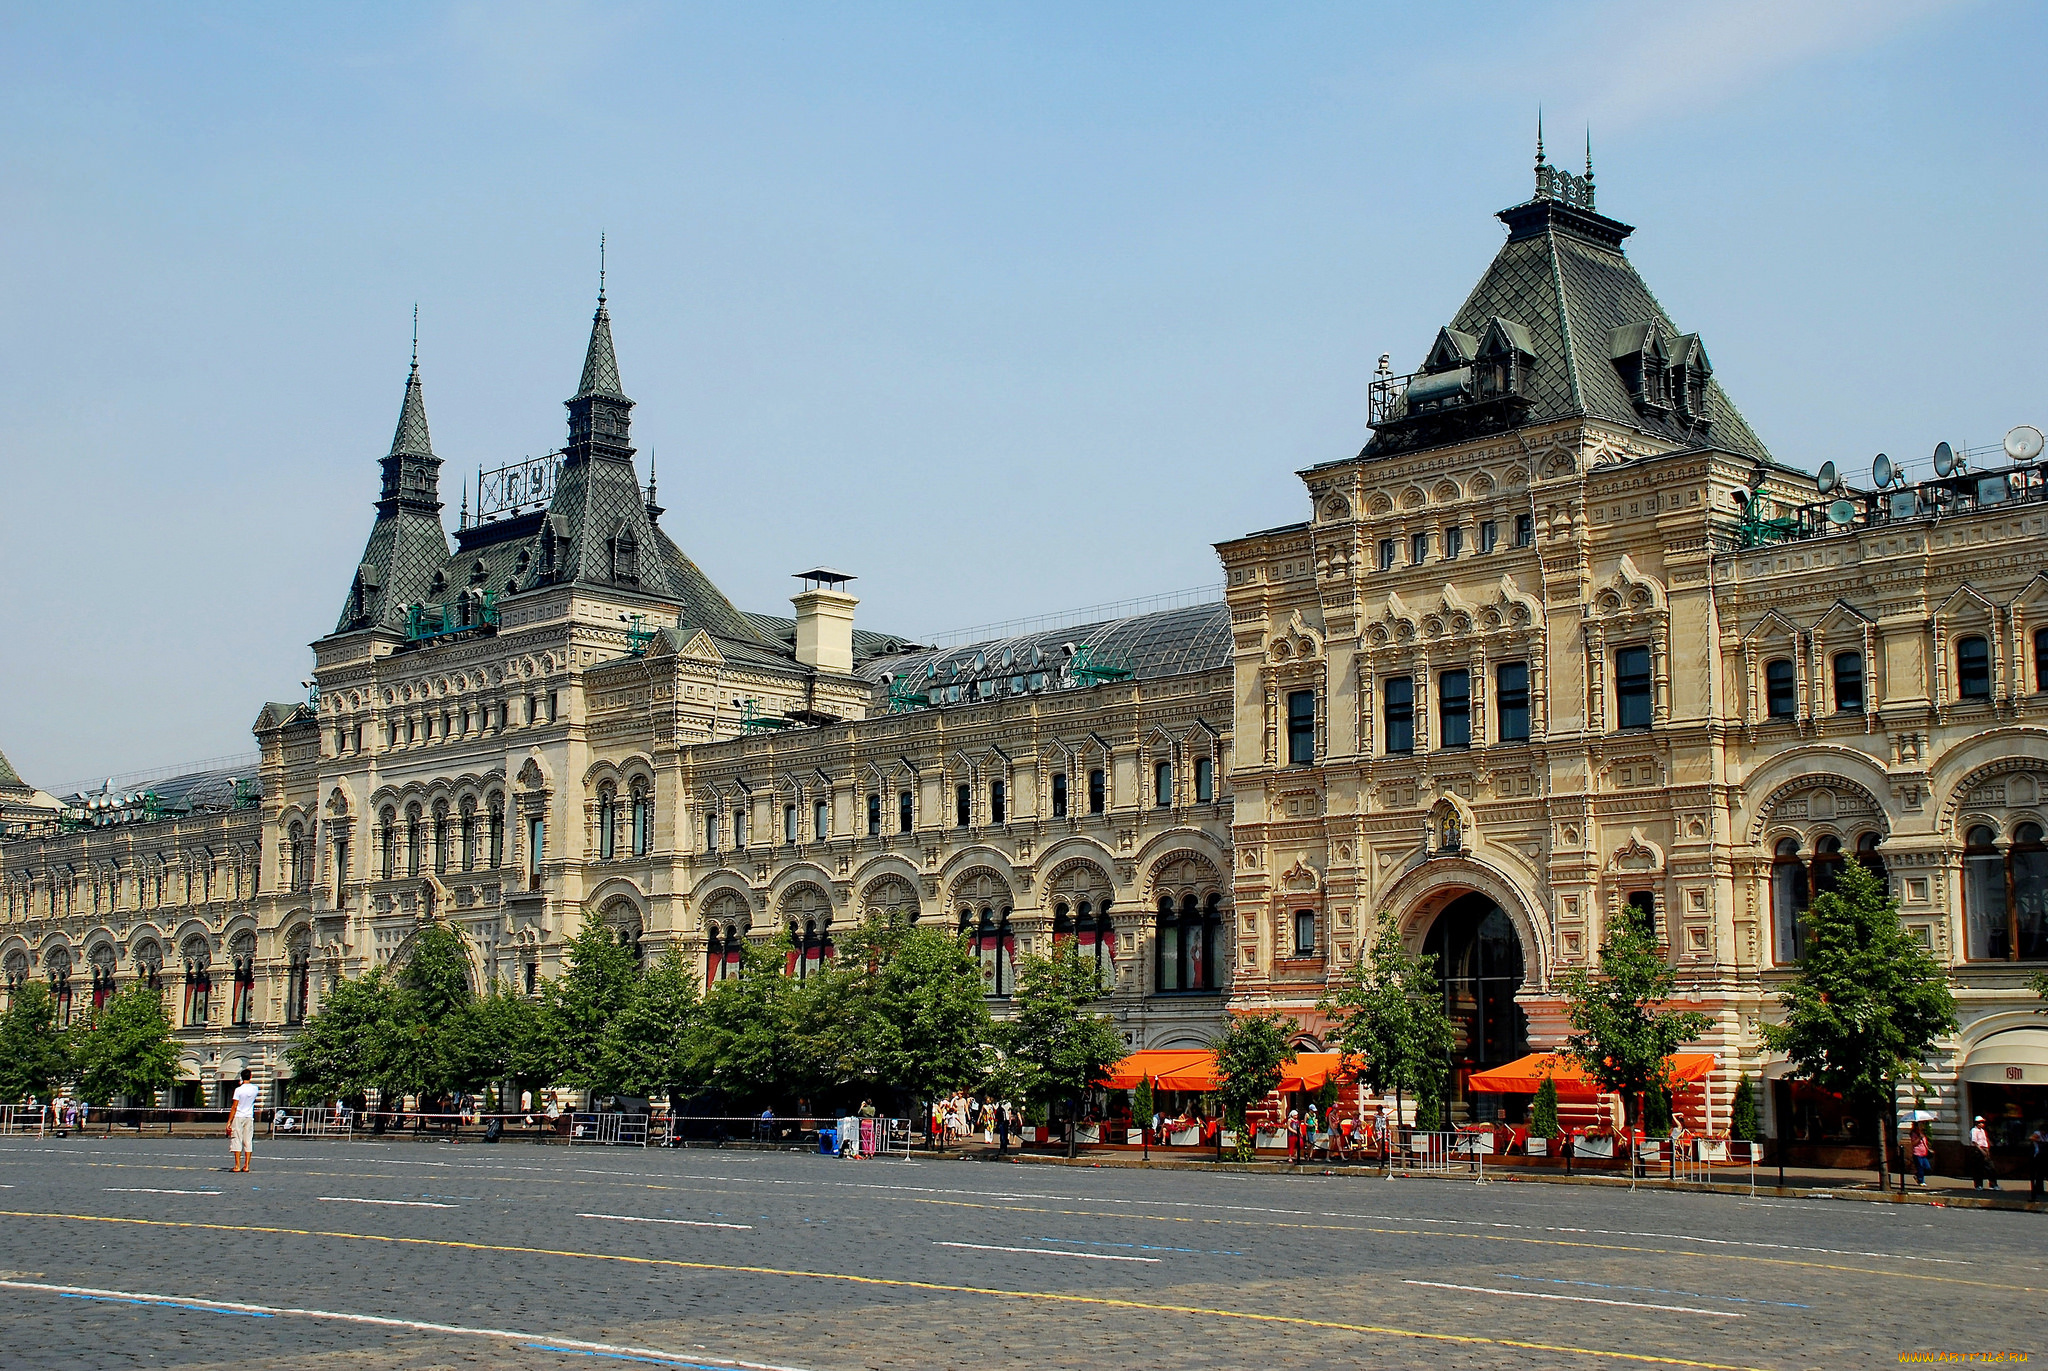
960, 1116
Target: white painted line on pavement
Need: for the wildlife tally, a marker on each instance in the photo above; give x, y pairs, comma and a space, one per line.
235, 1307
1631, 1233
1047, 1252
1577, 1299
152, 1190
409, 1204
687, 1223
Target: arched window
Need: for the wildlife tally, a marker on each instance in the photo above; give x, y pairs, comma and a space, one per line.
298, 975
1789, 898
1185, 952
58, 964
2005, 894
607, 822
994, 946
725, 929
1781, 694
1827, 864
1848, 682
494, 806
198, 981
643, 819
387, 838
295, 847
1868, 857
242, 1001
441, 836
149, 964
102, 962
469, 833
821, 820
415, 840
1973, 668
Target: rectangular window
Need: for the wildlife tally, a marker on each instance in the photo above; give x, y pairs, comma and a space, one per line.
711, 832
1632, 687
1511, 701
1973, 668
1781, 691
874, 814
997, 807
963, 805
1489, 535
906, 813
1525, 530
739, 828
1454, 708
1098, 795
1418, 548
821, 820
1386, 554
1642, 911
2040, 670
1059, 794
1205, 780
1301, 727
1454, 541
1304, 933
1162, 785
536, 838
1400, 711
789, 824
497, 838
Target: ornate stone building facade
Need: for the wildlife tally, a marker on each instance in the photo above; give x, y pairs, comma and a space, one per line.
1563, 645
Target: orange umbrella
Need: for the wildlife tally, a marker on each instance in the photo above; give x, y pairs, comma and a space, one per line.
1159, 1064
1526, 1075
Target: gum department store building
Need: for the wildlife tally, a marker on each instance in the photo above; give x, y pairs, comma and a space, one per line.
1564, 644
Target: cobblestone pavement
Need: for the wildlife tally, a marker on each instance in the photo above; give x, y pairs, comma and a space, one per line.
360, 1255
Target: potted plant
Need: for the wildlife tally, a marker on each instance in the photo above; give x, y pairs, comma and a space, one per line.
1542, 1119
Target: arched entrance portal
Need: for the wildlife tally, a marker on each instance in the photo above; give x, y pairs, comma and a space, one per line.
1479, 961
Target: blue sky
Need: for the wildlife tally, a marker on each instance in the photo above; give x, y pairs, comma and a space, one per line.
1006, 309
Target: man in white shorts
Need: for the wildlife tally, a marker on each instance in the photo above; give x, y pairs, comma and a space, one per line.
242, 1122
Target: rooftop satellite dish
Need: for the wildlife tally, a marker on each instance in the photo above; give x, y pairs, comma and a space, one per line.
2023, 444
1842, 512
1881, 471
1826, 479
1944, 460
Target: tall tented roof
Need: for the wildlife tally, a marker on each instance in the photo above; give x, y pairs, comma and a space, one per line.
1144, 647
600, 363
411, 439
1560, 291
10, 779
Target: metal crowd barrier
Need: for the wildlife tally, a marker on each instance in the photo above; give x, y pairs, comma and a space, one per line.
24, 1119
291, 1121
1440, 1154
608, 1130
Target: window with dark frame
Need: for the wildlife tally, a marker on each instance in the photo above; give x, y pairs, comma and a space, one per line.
1641, 911
821, 820
1386, 554
1632, 687
963, 805
905, 811
1973, 668
2040, 662
2005, 894
1162, 785
1489, 535
874, 814
1511, 701
1304, 933
1525, 530
1059, 794
1454, 708
1848, 673
789, 825
1418, 548
1097, 794
997, 811
1454, 541
1399, 697
1301, 727
1781, 689
1205, 780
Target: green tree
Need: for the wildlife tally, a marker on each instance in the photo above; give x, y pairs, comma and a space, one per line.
1868, 1005
1742, 1112
345, 1050
1141, 1102
125, 1049
495, 1037
646, 1047
1057, 1047
582, 1002
428, 1047
1543, 1113
740, 1046
1622, 1039
33, 1053
1250, 1051
1389, 1009
921, 1014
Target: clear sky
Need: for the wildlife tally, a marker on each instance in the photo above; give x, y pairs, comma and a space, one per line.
1006, 309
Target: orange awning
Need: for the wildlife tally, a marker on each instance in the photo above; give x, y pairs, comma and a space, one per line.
1309, 1070
1160, 1064
1525, 1077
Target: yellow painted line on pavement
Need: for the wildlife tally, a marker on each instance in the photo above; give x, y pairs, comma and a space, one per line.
1047, 1296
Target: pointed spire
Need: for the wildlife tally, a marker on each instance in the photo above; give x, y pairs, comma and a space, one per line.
462, 520
1589, 166
654, 510
1539, 141
411, 438
600, 364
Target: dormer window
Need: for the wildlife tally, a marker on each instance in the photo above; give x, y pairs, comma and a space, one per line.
440, 586
477, 572
625, 556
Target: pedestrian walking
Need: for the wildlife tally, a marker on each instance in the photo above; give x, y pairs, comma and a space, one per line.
2037, 1163
1002, 1129
1293, 1137
1923, 1154
242, 1122
1981, 1169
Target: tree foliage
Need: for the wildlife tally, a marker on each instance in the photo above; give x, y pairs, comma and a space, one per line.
346, 1049
1622, 1036
1389, 1009
582, 1002
923, 1017
1543, 1112
1742, 1112
1250, 1051
646, 1046
125, 1050
1057, 1046
34, 1055
1869, 1003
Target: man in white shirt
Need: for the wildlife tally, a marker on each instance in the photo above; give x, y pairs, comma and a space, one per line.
242, 1122
1981, 1168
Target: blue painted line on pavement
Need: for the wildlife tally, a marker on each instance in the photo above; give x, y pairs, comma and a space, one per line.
169, 1304
1649, 1290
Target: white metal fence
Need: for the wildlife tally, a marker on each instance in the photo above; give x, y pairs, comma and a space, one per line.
1441, 1154
24, 1118
610, 1130
313, 1122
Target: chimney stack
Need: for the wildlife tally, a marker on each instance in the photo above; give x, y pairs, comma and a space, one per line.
824, 620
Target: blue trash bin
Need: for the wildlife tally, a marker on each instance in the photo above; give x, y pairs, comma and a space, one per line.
828, 1142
